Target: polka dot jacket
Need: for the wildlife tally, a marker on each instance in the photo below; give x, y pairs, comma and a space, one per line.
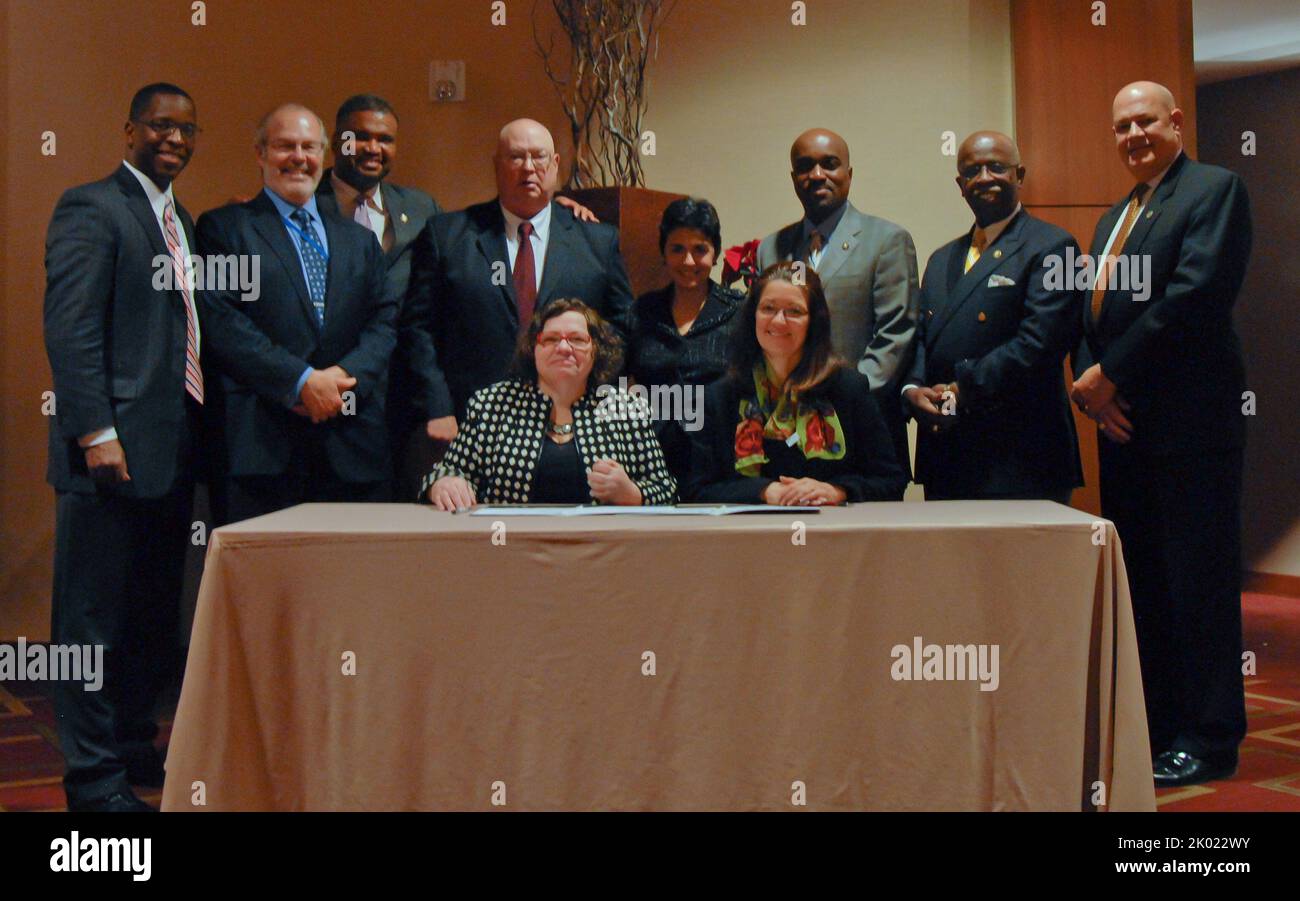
497, 447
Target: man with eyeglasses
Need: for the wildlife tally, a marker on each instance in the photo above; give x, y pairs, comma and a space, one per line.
987, 384
479, 274
867, 267
1160, 369
124, 347
302, 401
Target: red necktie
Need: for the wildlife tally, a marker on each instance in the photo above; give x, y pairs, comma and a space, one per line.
193, 372
525, 276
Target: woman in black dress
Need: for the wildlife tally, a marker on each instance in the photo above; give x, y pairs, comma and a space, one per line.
682, 332
791, 424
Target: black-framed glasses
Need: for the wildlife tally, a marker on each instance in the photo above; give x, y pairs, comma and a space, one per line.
188, 130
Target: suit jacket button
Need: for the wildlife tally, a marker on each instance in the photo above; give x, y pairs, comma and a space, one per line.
982, 316
997, 254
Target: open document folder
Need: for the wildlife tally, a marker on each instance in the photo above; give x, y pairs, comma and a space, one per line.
683, 510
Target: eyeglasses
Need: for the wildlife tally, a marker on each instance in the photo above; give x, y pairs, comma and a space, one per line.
577, 342
539, 160
166, 126
973, 171
309, 148
792, 314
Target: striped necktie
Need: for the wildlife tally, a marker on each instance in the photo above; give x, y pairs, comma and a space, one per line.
193, 372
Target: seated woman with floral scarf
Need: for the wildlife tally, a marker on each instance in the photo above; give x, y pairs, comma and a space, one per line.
790, 424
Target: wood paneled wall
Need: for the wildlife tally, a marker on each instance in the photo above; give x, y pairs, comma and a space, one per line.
1067, 72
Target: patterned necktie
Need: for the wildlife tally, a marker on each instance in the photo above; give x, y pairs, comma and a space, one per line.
525, 276
193, 372
978, 242
815, 244
1104, 266
313, 260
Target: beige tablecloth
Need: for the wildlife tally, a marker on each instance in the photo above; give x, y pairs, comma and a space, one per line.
505, 664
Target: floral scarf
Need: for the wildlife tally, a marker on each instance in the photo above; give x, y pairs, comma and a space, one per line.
771, 414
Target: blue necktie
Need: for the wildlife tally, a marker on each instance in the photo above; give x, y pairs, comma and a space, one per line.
314, 262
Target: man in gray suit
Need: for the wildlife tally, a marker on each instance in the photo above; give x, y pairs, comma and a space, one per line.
867, 267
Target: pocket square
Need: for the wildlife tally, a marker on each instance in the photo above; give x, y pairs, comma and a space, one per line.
999, 281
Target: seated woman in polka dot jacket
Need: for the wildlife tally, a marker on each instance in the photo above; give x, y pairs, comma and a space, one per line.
558, 433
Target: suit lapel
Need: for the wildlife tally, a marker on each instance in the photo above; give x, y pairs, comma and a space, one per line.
560, 250
490, 238
1142, 225
138, 203
404, 230
841, 244
267, 223
338, 263
992, 259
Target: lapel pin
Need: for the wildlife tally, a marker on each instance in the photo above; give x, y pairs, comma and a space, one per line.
404, 217
929, 314
982, 316
997, 254
844, 246
1150, 213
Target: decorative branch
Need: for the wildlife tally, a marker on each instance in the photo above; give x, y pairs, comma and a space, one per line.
603, 92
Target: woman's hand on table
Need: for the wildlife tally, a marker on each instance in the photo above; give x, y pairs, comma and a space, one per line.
610, 484
809, 493
452, 493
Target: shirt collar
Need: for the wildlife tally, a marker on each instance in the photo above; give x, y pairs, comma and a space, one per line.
345, 191
286, 208
827, 227
541, 221
994, 231
157, 198
1154, 183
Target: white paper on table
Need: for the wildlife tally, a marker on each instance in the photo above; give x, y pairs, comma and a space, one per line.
695, 510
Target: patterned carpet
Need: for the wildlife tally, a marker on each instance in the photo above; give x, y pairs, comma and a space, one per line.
1268, 777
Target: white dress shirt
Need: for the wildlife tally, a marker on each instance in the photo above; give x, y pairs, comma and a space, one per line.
540, 238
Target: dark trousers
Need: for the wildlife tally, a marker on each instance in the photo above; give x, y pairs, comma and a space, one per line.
1179, 523
309, 479
119, 567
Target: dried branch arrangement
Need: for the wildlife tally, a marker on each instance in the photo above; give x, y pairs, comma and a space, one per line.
603, 91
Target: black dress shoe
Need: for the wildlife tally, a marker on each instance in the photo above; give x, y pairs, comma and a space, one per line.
118, 802
1174, 768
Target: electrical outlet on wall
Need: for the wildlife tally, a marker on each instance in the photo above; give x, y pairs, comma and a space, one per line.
446, 81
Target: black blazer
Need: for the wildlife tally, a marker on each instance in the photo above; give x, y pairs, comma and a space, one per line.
260, 366
867, 472
468, 323
1175, 357
410, 209
1005, 348
116, 345
660, 355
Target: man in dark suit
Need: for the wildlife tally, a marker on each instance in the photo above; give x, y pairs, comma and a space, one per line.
987, 385
128, 393
303, 401
357, 188
479, 274
1160, 369
867, 267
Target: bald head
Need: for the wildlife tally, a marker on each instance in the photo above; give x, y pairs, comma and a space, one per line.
291, 151
527, 167
1148, 128
989, 175
819, 167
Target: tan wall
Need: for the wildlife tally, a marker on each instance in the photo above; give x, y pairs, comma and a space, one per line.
1267, 316
734, 82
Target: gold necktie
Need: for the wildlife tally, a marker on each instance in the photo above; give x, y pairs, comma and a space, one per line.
1103, 267
978, 242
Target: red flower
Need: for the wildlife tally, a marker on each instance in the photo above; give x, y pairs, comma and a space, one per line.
749, 439
819, 434
740, 261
